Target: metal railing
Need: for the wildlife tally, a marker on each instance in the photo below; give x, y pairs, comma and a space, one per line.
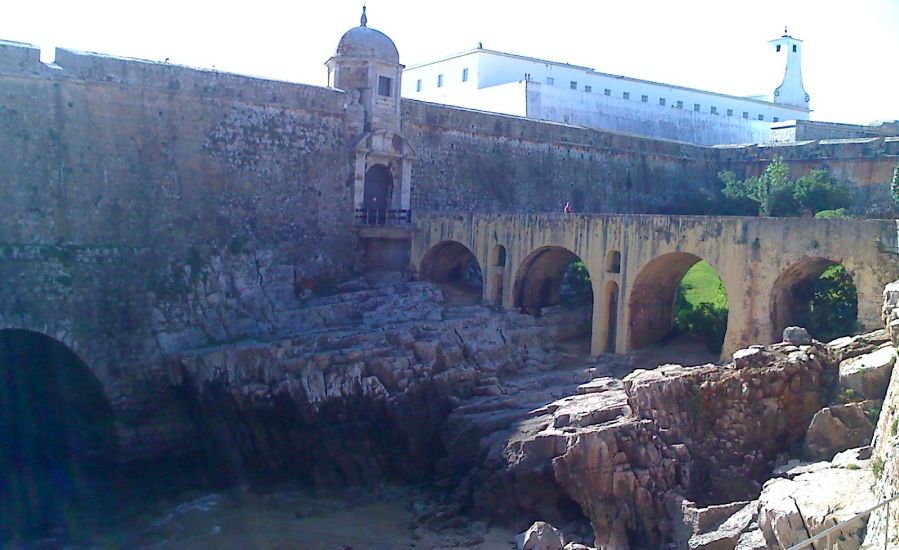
825, 534
382, 216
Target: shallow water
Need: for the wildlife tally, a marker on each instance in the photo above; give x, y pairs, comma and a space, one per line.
287, 516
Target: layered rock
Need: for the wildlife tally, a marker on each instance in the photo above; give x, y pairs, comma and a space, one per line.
619, 451
359, 387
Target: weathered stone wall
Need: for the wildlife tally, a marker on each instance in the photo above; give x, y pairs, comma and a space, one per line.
474, 161
148, 208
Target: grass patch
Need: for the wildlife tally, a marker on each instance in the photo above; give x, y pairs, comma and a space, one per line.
701, 306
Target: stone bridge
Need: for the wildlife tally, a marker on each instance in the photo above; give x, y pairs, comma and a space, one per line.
637, 261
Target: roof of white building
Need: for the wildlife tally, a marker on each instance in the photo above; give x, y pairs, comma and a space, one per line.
592, 71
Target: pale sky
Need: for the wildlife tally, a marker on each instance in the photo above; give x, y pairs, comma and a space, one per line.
850, 60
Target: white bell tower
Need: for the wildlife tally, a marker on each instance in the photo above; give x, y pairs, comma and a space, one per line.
791, 91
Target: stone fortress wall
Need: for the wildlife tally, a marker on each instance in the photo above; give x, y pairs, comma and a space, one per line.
148, 208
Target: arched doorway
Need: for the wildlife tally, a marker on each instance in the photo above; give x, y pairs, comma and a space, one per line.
552, 276
453, 265
57, 434
377, 193
817, 294
679, 295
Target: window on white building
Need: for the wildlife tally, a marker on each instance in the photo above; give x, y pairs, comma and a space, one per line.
607, 91
794, 48
588, 89
626, 95
573, 84
662, 101
440, 81
776, 119
713, 110
680, 104
777, 48
746, 114
418, 85
384, 83
550, 80
761, 117
730, 112
696, 107
644, 98
465, 74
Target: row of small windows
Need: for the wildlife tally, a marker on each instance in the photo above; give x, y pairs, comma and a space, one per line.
550, 81
645, 99
419, 84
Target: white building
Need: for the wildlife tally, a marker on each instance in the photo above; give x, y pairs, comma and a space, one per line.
536, 88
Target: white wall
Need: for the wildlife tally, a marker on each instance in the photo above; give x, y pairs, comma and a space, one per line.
645, 119
559, 102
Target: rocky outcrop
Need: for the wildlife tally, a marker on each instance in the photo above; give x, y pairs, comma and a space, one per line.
840, 427
885, 445
540, 536
792, 510
619, 450
368, 375
868, 375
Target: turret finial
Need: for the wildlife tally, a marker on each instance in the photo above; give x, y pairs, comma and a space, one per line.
785, 27
363, 21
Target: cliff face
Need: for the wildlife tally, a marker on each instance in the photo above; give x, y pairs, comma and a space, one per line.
886, 436
358, 391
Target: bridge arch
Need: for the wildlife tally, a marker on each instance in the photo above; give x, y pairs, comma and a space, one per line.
451, 262
651, 302
58, 430
538, 281
793, 294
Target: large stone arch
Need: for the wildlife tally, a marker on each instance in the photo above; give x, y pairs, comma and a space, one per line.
786, 306
538, 279
57, 430
451, 262
650, 306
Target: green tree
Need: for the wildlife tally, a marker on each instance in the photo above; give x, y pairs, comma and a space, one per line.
832, 300
777, 195
838, 214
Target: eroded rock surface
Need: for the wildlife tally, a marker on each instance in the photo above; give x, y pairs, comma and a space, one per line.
792, 510
368, 375
618, 450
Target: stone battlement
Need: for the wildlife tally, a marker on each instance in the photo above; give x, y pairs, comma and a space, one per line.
20, 59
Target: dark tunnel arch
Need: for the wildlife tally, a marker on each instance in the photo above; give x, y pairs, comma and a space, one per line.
452, 262
538, 282
651, 304
57, 432
793, 294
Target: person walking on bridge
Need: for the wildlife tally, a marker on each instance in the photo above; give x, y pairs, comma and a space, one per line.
567, 208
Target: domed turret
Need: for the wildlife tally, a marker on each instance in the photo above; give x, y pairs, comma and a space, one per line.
367, 65
365, 43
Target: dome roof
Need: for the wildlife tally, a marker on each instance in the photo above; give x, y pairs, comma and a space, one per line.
363, 42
